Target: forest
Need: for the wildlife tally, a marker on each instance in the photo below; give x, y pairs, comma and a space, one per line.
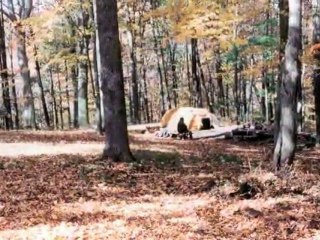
159, 119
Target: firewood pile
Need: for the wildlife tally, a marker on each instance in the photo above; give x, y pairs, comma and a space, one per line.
253, 131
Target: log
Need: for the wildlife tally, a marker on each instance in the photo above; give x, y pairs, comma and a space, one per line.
250, 133
142, 128
211, 133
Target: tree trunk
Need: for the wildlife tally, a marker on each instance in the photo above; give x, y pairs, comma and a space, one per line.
284, 25
54, 101
67, 94
145, 95
264, 98
14, 92
60, 100
4, 75
236, 89
206, 91
97, 67
156, 49
42, 95
250, 101
221, 96
97, 85
211, 89
316, 70
116, 133
291, 74
244, 99
95, 75
197, 102
174, 74
227, 100
188, 74
83, 114
28, 112
135, 87
165, 75
75, 97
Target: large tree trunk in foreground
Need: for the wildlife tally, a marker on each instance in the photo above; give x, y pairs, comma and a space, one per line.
316, 71
116, 133
291, 74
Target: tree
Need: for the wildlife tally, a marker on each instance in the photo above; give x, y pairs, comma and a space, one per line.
116, 133
316, 71
291, 75
82, 51
42, 93
16, 12
4, 74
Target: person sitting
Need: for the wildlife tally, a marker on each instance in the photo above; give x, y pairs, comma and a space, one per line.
183, 129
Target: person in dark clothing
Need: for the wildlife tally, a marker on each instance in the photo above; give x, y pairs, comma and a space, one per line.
183, 129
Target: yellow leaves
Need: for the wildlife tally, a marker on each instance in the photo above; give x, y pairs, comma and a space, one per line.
198, 19
240, 41
227, 42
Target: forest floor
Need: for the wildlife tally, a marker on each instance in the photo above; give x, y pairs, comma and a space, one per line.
54, 185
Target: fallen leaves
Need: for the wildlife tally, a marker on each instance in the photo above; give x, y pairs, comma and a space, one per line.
180, 192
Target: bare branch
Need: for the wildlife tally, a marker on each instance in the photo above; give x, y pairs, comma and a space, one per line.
28, 8
9, 12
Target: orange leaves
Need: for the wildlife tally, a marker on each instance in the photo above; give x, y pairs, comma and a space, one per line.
177, 189
315, 49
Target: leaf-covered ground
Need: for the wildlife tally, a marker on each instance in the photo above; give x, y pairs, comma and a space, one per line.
54, 185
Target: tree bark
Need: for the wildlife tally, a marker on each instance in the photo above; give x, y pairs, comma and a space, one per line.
60, 100
82, 51
14, 92
28, 112
135, 87
42, 95
203, 81
96, 68
236, 89
188, 74
227, 100
165, 75
116, 133
316, 69
83, 114
291, 74
221, 97
284, 25
264, 98
97, 86
67, 94
172, 52
197, 102
54, 101
4, 75
75, 97
145, 95
156, 49
15, 13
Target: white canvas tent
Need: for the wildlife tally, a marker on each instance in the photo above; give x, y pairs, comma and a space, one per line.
192, 118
